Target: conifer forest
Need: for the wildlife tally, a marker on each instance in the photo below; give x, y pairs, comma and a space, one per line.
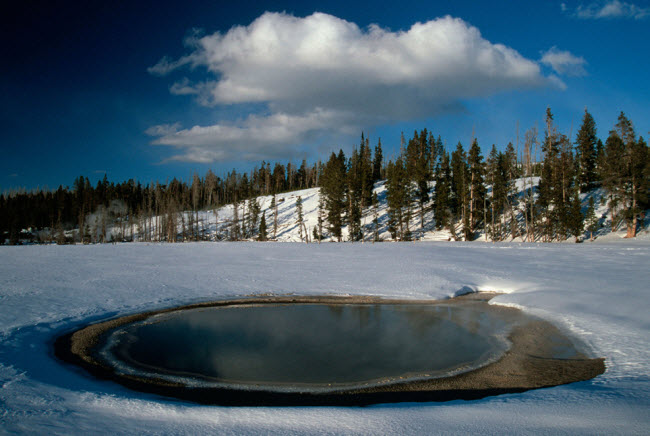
528, 190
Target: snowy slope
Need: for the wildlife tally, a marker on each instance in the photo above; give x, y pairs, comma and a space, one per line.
288, 230
216, 224
598, 291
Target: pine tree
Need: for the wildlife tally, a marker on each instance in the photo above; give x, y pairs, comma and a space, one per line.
530, 215
354, 196
334, 190
417, 155
492, 169
476, 188
398, 197
377, 163
613, 172
365, 170
442, 193
512, 173
459, 188
637, 185
254, 210
586, 143
550, 182
262, 231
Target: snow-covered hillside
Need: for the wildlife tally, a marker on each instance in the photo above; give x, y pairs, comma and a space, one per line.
217, 226
597, 291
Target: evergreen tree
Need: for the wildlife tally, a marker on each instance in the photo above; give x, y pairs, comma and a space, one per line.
512, 173
418, 167
365, 171
354, 195
637, 185
459, 200
586, 143
441, 199
550, 181
377, 163
252, 218
262, 231
476, 188
613, 173
398, 197
492, 169
334, 190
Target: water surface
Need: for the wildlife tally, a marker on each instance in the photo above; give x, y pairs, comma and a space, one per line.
307, 345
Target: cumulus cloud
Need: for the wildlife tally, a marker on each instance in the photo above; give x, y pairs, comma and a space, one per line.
254, 138
610, 9
563, 62
323, 74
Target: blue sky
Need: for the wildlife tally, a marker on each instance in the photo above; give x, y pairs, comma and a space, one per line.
155, 90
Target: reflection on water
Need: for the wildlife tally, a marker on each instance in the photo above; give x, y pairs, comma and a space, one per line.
309, 344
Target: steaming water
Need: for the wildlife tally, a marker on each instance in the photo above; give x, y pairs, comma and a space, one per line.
307, 346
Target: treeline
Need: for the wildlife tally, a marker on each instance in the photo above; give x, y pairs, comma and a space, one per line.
528, 190
155, 209
469, 195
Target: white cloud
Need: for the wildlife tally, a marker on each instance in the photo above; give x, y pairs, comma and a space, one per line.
563, 62
328, 72
254, 138
611, 9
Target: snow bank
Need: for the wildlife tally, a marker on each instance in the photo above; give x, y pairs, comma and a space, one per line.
598, 291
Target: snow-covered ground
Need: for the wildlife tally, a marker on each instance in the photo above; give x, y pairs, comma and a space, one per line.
599, 291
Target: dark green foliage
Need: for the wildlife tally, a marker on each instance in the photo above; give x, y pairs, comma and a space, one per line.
334, 189
613, 173
477, 189
262, 231
459, 185
418, 153
625, 175
586, 143
398, 197
442, 194
377, 163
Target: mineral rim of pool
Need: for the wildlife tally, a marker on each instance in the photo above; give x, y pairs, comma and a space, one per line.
306, 347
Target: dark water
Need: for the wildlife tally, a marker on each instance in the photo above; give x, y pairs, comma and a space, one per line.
307, 344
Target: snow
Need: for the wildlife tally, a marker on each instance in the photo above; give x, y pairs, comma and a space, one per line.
288, 230
599, 291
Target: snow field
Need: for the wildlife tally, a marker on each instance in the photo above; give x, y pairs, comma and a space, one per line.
597, 291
